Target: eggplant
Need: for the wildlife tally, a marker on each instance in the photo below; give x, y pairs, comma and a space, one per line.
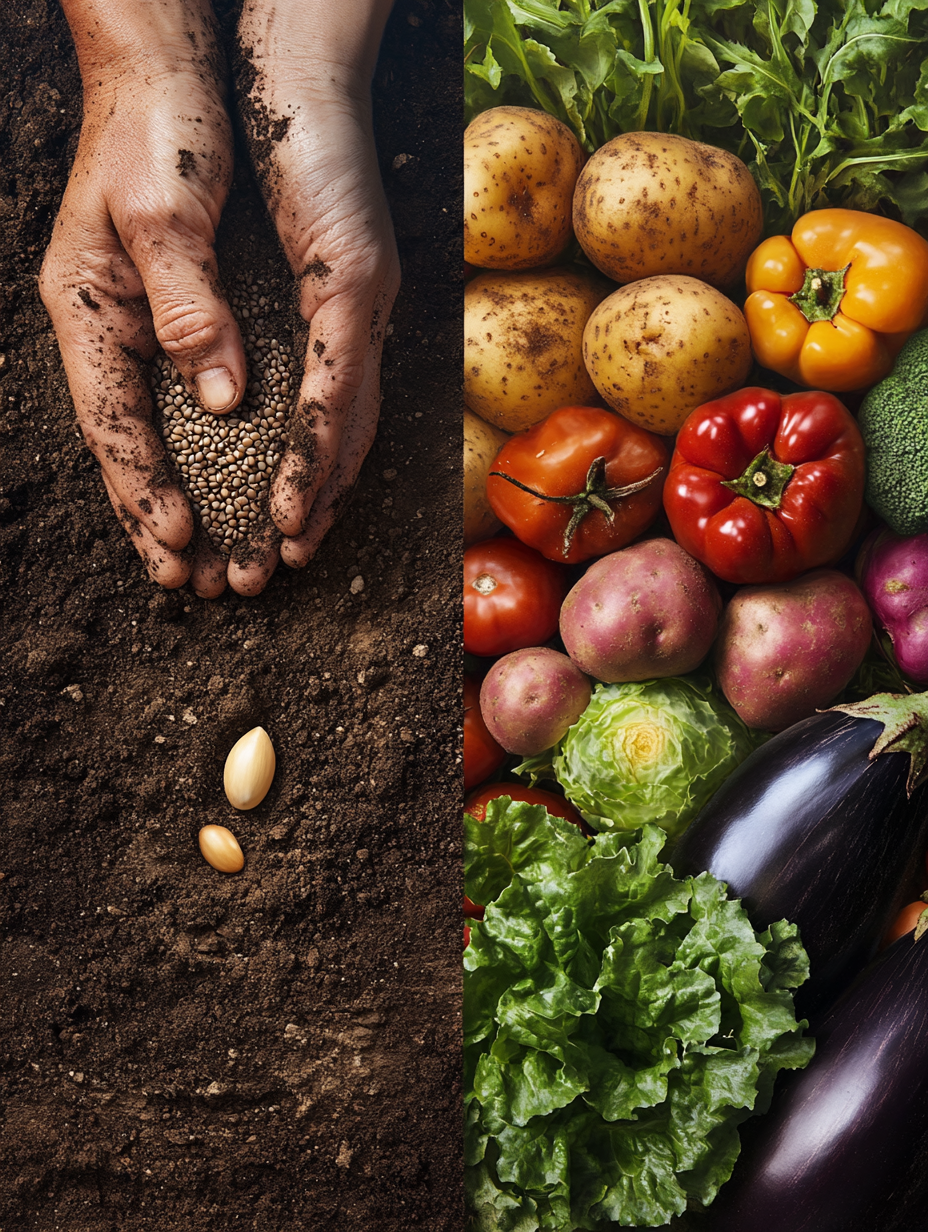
818, 827
838, 1148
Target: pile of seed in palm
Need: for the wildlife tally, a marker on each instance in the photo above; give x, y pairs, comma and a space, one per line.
226, 461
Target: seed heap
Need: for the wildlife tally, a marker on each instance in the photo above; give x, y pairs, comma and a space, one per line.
226, 461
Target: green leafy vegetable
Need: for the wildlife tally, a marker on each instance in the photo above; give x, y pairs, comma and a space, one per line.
619, 1026
653, 751
827, 102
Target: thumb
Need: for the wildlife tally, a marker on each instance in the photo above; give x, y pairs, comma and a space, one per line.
192, 320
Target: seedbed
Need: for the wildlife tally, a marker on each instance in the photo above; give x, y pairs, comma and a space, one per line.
280, 1048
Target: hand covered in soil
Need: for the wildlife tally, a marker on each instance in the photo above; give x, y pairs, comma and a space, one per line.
131, 266
304, 92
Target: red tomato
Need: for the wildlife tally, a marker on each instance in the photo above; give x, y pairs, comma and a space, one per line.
466, 936
476, 803
482, 755
596, 482
512, 597
473, 910
904, 922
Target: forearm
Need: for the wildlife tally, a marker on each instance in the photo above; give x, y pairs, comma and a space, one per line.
314, 47
115, 36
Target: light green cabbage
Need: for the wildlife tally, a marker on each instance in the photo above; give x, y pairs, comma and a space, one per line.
653, 751
619, 1025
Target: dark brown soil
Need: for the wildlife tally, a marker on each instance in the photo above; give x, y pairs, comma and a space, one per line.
279, 1049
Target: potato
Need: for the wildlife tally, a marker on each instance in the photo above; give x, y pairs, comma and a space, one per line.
481, 445
530, 697
641, 613
787, 650
523, 345
651, 203
659, 348
520, 169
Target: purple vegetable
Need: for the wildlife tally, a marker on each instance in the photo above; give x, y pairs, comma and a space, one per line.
841, 1135
893, 574
529, 698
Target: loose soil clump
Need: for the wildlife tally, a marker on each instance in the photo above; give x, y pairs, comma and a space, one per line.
280, 1048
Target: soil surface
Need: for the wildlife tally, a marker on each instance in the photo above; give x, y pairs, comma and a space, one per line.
278, 1049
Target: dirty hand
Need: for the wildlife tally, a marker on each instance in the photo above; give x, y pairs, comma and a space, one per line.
131, 264
307, 115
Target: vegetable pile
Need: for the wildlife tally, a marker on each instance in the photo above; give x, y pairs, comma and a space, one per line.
619, 1025
696, 367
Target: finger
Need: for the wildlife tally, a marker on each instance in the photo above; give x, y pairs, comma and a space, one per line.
342, 361
173, 251
96, 302
356, 440
208, 576
252, 564
169, 569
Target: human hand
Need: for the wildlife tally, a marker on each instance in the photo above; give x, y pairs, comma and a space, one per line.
131, 266
308, 122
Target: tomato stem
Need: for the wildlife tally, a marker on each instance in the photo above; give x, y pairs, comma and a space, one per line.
595, 495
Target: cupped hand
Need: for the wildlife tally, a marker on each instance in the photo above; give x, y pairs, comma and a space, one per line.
313, 148
131, 266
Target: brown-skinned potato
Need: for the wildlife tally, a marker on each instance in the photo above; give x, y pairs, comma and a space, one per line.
482, 442
523, 345
652, 203
520, 169
658, 348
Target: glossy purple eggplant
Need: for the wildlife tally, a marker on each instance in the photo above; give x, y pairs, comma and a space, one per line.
813, 830
835, 1152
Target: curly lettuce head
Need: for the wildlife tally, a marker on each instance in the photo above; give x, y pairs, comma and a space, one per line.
652, 751
619, 1026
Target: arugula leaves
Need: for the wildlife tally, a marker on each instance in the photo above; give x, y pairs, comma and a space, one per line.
827, 102
619, 1025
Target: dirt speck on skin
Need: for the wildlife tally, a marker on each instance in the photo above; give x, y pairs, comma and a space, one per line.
316, 269
186, 163
180, 1050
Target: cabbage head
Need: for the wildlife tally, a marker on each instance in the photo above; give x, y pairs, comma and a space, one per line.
650, 751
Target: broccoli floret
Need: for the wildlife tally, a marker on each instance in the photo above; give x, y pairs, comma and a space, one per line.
894, 422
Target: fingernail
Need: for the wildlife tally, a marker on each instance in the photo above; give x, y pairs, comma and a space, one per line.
216, 389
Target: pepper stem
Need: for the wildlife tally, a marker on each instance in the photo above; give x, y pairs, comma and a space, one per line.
764, 481
821, 293
905, 729
595, 495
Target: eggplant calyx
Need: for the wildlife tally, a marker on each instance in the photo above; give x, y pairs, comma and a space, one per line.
905, 729
596, 494
764, 481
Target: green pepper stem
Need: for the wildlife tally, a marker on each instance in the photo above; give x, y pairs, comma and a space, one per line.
821, 293
764, 481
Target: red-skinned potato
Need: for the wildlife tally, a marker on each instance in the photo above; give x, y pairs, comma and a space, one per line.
787, 650
646, 612
529, 698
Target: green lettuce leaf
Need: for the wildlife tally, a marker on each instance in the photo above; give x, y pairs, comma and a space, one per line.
619, 1025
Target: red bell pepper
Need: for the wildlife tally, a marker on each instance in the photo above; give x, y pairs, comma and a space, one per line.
763, 487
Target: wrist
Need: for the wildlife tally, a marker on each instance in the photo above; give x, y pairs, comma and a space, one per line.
145, 41
327, 51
